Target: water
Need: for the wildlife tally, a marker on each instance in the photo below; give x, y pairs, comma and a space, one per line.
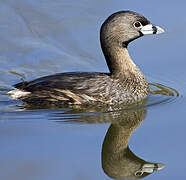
44, 37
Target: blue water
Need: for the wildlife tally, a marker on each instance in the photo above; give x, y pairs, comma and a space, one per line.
39, 38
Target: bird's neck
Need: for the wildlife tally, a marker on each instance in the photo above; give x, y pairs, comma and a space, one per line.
123, 68
119, 62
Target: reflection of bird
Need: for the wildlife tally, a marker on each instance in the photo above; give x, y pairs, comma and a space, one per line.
124, 84
118, 161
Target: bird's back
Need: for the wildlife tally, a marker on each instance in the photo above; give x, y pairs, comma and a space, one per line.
66, 88
75, 88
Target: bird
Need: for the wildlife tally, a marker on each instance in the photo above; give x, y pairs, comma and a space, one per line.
124, 84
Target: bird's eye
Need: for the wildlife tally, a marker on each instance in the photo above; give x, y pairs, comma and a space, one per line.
137, 24
139, 173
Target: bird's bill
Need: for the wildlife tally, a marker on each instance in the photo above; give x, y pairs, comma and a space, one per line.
151, 29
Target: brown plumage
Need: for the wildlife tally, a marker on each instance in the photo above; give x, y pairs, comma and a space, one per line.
124, 84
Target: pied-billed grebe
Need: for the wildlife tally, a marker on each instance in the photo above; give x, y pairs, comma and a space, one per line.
124, 84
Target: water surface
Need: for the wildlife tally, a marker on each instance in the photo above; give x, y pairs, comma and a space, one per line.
44, 37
